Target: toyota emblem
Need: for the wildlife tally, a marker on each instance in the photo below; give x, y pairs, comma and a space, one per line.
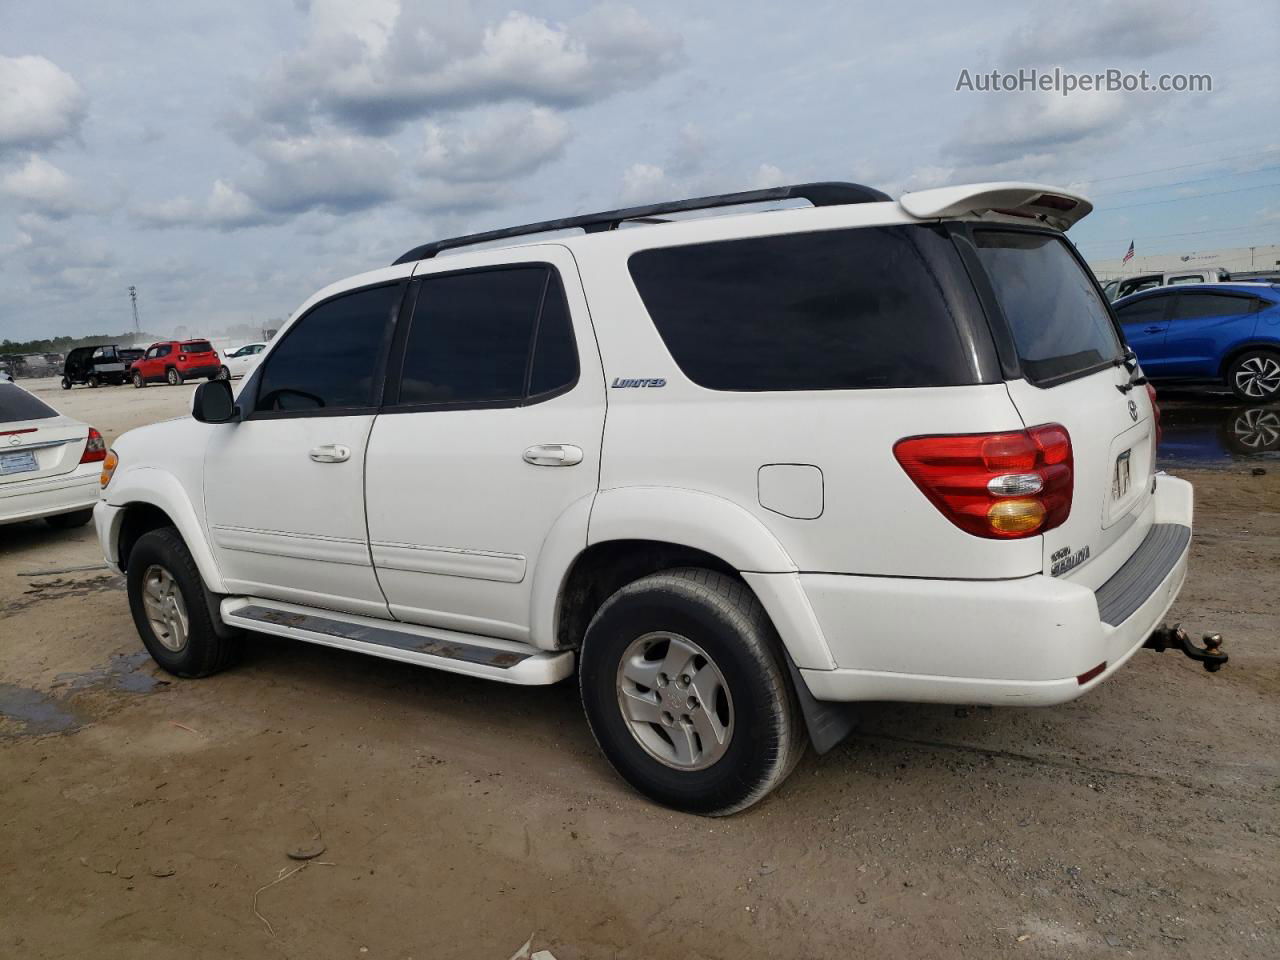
1133, 411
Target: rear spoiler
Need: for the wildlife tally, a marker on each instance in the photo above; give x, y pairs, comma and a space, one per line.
1033, 201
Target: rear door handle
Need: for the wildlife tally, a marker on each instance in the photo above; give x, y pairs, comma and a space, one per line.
330, 453
553, 455
1154, 329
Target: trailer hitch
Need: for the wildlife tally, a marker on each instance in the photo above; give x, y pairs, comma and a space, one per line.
1210, 654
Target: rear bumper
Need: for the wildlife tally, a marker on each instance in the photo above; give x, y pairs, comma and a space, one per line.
195, 373
47, 497
1020, 642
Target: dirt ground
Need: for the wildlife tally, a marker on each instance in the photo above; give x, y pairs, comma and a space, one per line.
144, 816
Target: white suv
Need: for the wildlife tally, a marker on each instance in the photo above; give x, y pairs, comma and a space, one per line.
742, 470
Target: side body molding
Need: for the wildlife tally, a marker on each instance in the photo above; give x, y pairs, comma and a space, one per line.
719, 527
162, 489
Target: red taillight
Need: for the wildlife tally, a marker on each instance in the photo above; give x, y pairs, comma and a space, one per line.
95, 448
995, 485
1155, 412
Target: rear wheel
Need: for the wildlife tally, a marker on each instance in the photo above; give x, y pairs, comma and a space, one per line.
167, 600
222, 374
94, 381
686, 692
68, 521
173, 376
1254, 376
66, 383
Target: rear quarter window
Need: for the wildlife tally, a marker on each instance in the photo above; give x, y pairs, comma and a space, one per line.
871, 307
1058, 321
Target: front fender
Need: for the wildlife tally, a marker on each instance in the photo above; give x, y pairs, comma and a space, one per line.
163, 490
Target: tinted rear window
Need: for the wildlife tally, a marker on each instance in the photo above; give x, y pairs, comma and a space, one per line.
1059, 322
837, 310
16, 404
197, 346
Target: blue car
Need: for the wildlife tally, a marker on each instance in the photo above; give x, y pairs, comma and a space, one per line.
1220, 333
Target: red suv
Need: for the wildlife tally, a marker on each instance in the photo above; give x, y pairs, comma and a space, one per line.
176, 361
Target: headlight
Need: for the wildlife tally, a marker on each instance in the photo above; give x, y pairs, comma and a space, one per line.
108, 469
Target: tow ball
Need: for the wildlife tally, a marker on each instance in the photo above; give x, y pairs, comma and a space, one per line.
1210, 654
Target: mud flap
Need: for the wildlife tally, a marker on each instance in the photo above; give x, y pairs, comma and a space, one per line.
828, 722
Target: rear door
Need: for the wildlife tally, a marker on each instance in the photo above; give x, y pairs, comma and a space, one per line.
487, 452
1202, 327
36, 442
1070, 356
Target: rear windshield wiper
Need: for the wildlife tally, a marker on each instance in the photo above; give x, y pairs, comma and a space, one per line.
1130, 361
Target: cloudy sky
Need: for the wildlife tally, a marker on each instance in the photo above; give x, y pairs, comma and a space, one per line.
229, 158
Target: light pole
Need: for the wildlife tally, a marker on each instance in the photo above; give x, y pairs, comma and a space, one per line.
133, 295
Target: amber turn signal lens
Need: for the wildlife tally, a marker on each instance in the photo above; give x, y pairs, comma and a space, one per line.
108, 468
1015, 516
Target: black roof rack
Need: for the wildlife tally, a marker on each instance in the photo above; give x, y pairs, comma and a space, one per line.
819, 194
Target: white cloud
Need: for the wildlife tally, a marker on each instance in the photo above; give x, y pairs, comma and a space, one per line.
496, 145
226, 208
337, 173
41, 187
384, 68
1114, 28
645, 183
40, 103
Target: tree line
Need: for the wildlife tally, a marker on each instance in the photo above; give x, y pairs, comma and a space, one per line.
63, 344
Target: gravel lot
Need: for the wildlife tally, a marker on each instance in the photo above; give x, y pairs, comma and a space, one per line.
144, 816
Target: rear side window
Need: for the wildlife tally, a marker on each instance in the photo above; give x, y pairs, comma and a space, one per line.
1059, 323
488, 336
1194, 305
16, 404
196, 346
331, 359
837, 310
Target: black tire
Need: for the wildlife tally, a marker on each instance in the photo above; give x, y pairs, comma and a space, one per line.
1254, 376
723, 617
205, 652
69, 521
174, 376
139, 381
222, 374
66, 383
94, 382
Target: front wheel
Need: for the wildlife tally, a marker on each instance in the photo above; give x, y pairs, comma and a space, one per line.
1254, 376
687, 694
94, 382
139, 381
167, 600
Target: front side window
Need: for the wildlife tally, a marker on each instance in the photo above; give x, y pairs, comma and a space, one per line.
1059, 322
1147, 310
331, 359
488, 336
835, 310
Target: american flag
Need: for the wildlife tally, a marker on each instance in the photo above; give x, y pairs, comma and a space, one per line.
1129, 255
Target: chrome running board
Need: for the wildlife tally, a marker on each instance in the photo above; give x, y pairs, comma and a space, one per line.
503, 660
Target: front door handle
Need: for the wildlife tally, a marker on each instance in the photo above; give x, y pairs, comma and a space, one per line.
1154, 329
553, 455
330, 453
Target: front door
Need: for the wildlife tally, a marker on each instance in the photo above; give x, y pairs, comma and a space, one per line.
488, 449
284, 487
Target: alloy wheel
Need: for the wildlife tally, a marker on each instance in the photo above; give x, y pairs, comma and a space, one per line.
165, 608
1258, 377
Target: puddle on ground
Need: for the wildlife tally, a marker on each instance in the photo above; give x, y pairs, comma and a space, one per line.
1208, 430
35, 714
122, 672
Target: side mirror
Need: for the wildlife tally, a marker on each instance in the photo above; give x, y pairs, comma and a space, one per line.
213, 402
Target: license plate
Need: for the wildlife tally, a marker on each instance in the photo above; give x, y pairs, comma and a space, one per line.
1120, 478
21, 462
